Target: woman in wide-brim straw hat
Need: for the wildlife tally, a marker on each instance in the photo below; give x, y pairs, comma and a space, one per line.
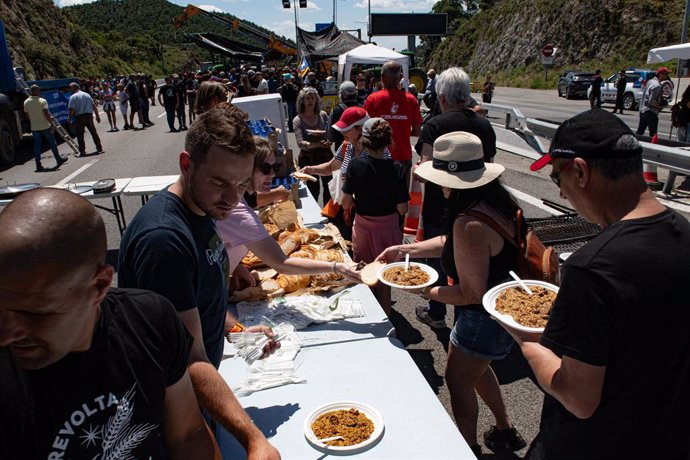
476, 258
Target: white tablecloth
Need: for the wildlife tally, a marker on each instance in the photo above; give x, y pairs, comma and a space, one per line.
310, 210
148, 185
355, 360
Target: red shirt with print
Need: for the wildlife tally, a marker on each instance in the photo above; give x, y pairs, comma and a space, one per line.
400, 109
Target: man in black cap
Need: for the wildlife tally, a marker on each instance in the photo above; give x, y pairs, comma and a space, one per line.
614, 359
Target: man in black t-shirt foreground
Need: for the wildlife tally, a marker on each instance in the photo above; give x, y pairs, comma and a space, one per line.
614, 359
452, 98
86, 371
172, 248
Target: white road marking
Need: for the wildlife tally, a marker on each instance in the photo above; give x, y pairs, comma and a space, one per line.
533, 201
77, 172
161, 115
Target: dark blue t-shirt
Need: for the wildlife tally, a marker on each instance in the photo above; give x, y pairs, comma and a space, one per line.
172, 251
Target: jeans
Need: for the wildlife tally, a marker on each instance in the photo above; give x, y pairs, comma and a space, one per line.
170, 115
648, 119
476, 334
683, 133
144, 103
85, 121
38, 140
437, 310
292, 113
594, 97
181, 116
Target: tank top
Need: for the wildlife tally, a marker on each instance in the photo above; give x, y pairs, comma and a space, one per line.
499, 265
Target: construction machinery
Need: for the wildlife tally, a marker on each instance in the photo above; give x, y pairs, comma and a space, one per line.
271, 42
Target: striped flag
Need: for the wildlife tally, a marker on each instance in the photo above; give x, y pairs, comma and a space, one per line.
303, 67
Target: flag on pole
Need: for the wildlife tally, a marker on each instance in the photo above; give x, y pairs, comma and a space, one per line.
303, 67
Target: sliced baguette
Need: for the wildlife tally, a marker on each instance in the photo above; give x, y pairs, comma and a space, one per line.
369, 273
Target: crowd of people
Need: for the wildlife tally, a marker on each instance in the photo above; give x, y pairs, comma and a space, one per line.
614, 386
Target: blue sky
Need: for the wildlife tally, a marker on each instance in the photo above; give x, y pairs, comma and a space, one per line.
351, 14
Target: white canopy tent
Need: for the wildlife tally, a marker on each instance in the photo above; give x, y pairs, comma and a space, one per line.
667, 53
371, 54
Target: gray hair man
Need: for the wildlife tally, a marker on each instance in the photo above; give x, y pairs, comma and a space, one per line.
609, 375
453, 91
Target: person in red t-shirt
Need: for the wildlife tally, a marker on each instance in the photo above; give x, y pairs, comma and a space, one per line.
400, 109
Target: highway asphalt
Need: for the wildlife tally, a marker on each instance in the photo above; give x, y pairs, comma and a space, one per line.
154, 151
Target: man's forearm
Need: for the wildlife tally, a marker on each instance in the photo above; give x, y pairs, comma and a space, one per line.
216, 397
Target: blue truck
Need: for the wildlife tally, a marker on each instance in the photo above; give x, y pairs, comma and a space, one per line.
13, 123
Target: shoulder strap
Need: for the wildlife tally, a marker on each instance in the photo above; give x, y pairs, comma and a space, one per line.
497, 227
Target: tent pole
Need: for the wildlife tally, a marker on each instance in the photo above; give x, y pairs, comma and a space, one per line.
683, 39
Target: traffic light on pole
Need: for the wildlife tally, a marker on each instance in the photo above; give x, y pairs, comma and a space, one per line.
302, 3
286, 3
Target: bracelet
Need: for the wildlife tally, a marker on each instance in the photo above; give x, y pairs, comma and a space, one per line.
334, 270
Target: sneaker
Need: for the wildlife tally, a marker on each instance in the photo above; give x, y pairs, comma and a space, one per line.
503, 440
61, 161
126, 127
39, 168
174, 130
116, 130
422, 313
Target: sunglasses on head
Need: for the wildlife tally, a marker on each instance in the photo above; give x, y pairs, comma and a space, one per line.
266, 168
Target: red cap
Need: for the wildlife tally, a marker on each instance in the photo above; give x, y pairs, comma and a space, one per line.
352, 116
540, 163
662, 70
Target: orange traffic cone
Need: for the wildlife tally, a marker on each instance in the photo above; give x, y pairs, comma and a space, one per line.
414, 210
420, 230
649, 171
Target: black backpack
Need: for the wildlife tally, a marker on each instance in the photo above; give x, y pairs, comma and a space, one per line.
679, 116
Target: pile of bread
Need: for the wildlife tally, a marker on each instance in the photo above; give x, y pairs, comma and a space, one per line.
283, 225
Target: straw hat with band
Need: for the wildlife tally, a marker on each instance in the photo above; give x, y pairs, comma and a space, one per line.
458, 163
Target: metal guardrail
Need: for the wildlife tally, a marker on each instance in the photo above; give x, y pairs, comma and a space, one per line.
674, 159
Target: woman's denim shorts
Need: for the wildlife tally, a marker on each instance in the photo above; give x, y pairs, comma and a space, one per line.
479, 336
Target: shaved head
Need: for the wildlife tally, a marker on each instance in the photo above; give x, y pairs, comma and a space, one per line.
53, 230
53, 276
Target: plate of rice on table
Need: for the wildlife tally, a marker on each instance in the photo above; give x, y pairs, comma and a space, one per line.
359, 425
514, 307
416, 277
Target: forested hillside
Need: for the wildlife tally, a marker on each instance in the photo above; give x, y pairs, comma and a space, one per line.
105, 37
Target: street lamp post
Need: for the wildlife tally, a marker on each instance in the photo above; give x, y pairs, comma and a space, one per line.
369, 24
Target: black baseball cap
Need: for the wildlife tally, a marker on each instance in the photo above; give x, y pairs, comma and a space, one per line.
590, 134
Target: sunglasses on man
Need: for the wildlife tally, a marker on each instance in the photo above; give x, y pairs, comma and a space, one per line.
556, 175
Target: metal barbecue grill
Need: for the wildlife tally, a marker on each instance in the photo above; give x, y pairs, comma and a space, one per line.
565, 233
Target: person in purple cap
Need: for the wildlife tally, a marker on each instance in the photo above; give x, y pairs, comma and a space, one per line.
614, 358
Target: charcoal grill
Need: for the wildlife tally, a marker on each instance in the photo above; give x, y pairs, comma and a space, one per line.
565, 233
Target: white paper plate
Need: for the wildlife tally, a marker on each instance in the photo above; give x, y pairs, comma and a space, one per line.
489, 302
433, 275
369, 411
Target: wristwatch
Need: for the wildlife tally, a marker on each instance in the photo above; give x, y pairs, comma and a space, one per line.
425, 293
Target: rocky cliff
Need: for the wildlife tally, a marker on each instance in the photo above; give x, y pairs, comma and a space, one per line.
507, 37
